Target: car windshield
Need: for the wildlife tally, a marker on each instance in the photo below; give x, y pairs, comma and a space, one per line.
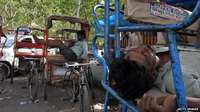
7, 42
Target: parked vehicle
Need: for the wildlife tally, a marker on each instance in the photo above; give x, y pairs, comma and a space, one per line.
7, 48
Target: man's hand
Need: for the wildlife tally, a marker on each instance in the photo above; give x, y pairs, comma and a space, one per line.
150, 103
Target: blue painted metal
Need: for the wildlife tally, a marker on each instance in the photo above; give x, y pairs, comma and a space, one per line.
188, 4
105, 66
177, 72
100, 59
99, 24
124, 108
107, 30
187, 22
99, 28
106, 80
106, 47
113, 93
112, 18
176, 68
117, 35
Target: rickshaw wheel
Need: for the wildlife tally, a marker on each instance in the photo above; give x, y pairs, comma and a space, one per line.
33, 84
86, 92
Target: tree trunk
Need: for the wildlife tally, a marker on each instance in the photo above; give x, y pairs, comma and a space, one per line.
78, 8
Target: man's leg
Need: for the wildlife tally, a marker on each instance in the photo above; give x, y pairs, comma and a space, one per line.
51, 43
67, 53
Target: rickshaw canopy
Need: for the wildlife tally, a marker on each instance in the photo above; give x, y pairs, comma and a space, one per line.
84, 23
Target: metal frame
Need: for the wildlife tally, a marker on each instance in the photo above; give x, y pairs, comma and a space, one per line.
28, 45
72, 68
171, 31
67, 19
35, 59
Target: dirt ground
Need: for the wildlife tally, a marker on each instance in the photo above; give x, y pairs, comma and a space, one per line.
15, 98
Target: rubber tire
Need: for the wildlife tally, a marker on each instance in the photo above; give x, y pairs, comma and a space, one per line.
33, 84
5, 71
85, 99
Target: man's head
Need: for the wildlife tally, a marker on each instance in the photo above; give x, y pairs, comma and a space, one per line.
81, 35
145, 56
135, 73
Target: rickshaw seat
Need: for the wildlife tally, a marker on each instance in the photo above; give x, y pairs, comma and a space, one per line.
59, 59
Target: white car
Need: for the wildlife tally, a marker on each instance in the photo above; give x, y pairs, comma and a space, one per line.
7, 50
7, 55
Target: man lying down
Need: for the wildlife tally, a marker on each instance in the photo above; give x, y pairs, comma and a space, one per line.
144, 74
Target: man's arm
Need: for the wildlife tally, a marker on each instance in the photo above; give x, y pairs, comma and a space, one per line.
194, 103
150, 103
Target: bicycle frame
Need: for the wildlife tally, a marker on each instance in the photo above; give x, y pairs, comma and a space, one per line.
169, 28
26, 45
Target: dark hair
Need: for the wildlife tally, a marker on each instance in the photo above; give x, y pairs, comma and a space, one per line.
81, 35
131, 79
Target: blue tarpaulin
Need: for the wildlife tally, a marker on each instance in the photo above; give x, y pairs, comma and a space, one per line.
187, 4
122, 21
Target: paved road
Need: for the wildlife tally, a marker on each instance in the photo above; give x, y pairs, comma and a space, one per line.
15, 98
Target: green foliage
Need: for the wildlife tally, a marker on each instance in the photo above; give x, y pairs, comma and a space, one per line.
33, 12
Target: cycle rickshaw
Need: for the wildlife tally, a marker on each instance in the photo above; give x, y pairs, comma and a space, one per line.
118, 26
28, 57
76, 72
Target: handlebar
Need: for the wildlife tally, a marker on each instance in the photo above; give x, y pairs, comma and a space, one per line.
76, 64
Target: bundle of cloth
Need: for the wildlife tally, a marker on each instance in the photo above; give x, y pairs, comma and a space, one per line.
160, 11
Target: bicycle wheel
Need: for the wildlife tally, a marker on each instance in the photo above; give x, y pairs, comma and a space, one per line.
45, 81
85, 99
33, 84
90, 81
85, 93
71, 84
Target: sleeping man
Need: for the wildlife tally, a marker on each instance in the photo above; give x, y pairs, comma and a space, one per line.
142, 72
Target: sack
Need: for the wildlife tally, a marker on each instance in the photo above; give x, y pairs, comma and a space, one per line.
149, 11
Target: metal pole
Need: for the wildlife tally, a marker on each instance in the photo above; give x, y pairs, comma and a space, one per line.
117, 33
107, 29
177, 72
106, 46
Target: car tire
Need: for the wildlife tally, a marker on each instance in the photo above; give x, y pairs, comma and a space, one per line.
5, 71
